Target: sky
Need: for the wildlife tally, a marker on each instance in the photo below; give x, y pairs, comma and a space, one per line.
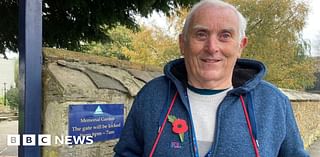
312, 28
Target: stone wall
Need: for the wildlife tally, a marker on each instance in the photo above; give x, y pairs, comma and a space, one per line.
306, 107
77, 78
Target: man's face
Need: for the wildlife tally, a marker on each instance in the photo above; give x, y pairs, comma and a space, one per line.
212, 47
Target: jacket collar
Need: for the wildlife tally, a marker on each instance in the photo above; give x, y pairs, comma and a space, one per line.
247, 75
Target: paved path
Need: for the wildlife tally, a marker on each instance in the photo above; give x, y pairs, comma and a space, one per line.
314, 149
8, 127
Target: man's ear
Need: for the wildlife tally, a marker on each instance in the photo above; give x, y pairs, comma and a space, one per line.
181, 44
243, 44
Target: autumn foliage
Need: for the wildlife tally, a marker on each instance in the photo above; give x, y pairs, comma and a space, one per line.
274, 32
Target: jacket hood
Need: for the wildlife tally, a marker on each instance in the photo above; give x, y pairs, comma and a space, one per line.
247, 74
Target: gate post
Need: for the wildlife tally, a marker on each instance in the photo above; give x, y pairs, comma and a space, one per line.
30, 65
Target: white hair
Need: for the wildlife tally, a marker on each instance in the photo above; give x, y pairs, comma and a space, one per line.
218, 3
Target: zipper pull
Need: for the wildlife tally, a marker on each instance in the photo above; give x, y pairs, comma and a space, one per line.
257, 143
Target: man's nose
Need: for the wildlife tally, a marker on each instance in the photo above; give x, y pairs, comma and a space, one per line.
212, 44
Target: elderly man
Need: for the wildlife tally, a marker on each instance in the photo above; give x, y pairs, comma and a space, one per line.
211, 102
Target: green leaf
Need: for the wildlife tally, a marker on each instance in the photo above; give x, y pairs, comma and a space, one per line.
181, 135
171, 118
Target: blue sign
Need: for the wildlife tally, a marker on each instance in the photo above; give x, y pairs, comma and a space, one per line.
101, 121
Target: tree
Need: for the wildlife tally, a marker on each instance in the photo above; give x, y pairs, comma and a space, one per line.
13, 99
146, 46
152, 46
8, 26
67, 23
274, 32
1, 101
120, 40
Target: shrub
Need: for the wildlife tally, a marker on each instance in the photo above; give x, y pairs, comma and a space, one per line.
13, 99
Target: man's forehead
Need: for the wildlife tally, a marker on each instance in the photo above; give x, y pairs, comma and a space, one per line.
207, 17
214, 11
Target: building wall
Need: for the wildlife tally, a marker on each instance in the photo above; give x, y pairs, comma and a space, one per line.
6, 74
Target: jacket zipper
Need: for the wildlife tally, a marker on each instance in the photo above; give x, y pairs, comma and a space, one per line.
213, 149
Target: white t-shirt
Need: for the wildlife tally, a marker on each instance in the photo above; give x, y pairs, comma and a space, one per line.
203, 110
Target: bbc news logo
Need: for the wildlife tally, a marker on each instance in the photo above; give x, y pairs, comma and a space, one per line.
46, 140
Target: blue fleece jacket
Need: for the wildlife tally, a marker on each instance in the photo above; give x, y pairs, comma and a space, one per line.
270, 111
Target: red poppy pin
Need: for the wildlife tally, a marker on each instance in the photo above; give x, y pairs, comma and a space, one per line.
179, 126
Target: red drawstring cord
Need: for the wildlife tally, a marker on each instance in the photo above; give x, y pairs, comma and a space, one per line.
249, 127
162, 126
